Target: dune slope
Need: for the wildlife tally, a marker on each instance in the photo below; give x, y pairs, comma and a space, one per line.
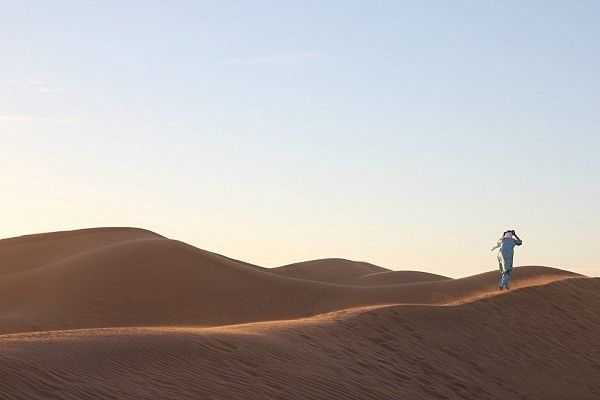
149, 282
136, 278
328, 269
533, 343
393, 278
22, 253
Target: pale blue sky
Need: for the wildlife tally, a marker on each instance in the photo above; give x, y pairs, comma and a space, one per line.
407, 134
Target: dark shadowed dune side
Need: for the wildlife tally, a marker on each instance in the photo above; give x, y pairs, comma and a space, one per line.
534, 343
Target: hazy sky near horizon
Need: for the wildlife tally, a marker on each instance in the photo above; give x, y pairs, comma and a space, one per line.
409, 134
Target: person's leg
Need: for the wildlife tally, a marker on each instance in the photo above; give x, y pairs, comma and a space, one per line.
507, 265
507, 278
503, 280
501, 266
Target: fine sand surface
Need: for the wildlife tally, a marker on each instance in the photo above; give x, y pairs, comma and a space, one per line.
128, 314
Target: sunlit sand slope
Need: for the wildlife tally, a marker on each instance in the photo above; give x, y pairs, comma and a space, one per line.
538, 342
137, 278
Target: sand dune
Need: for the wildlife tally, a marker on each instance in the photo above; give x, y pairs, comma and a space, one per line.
355, 273
393, 278
534, 343
152, 281
328, 269
151, 317
21, 253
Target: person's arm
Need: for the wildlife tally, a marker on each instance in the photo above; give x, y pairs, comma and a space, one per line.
518, 241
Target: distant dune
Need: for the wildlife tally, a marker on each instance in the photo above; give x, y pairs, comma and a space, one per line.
393, 278
22, 253
126, 313
126, 277
355, 273
328, 270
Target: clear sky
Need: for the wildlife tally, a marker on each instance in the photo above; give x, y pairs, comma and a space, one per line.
409, 134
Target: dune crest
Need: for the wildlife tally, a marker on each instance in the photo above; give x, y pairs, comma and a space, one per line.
393, 278
127, 313
26, 252
328, 269
123, 277
546, 335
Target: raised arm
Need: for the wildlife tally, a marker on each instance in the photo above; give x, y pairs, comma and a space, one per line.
518, 241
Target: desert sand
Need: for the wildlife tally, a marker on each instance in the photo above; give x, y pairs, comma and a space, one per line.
124, 313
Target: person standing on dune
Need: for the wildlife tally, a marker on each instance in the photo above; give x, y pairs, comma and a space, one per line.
507, 244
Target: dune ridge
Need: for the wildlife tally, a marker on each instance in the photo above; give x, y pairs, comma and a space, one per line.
126, 313
546, 335
136, 278
393, 278
18, 254
328, 269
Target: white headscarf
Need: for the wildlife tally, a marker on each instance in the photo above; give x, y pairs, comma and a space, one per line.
507, 235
